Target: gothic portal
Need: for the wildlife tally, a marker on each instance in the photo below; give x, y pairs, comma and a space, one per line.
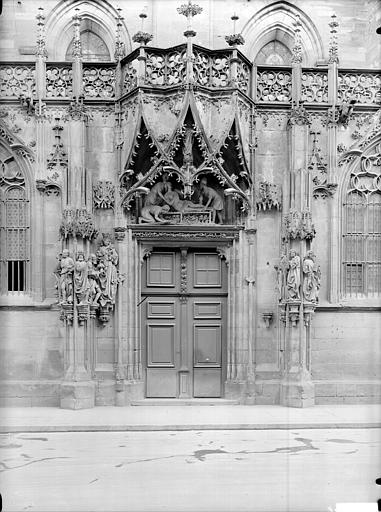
188, 221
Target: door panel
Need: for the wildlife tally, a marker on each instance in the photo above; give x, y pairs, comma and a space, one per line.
207, 345
161, 345
161, 383
183, 326
207, 383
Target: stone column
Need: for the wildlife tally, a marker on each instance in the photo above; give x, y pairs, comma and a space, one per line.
38, 276
297, 388
333, 61
77, 390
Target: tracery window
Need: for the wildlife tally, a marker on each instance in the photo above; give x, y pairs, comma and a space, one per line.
94, 49
362, 229
274, 53
14, 228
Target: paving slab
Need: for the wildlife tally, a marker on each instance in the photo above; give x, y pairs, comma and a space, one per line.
185, 417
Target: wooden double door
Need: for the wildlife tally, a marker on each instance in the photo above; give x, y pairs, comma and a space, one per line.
183, 319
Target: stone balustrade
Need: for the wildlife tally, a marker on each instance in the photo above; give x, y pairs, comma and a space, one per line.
212, 69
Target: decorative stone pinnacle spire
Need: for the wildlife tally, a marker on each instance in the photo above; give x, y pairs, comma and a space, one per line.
297, 48
234, 39
41, 40
58, 157
333, 46
120, 50
77, 46
141, 36
189, 10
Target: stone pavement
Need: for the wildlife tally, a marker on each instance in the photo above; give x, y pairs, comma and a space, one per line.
185, 417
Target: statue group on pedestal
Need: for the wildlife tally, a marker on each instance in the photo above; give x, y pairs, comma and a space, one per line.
91, 282
163, 198
296, 279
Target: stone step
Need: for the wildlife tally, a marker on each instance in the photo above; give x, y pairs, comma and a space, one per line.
184, 401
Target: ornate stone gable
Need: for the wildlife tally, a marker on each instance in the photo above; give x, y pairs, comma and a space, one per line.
187, 154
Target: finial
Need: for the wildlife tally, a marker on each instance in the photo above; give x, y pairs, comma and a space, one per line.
234, 39
189, 10
77, 46
120, 50
142, 37
297, 48
41, 40
333, 46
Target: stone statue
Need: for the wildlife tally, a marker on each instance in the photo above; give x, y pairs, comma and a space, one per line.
108, 274
93, 274
311, 277
282, 269
172, 198
213, 200
155, 196
66, 265
151, 213
81, 281
188, 142
293, 276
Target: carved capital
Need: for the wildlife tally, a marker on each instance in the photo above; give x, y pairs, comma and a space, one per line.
120, 233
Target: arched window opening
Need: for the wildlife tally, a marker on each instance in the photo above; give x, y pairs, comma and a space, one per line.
14, 228
361, 235
274, 53
94, 49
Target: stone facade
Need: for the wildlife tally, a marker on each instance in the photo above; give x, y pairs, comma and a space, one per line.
256, 138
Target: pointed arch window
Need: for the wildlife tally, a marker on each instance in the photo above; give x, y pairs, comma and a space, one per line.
14, 229
94, 49
361, 234
274, 53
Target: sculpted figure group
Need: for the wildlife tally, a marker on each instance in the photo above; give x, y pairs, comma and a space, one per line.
93, 281
298, 279
162, 198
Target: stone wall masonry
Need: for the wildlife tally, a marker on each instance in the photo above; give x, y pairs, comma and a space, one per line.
345, 346
31, 358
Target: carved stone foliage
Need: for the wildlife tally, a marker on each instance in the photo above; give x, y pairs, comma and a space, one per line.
98, 81
298, 225
268, 196
77, 223
165, 68
17, 80
362, 87
104, 194
59, 81
89, 284
299, 115
273, 86
314, 86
